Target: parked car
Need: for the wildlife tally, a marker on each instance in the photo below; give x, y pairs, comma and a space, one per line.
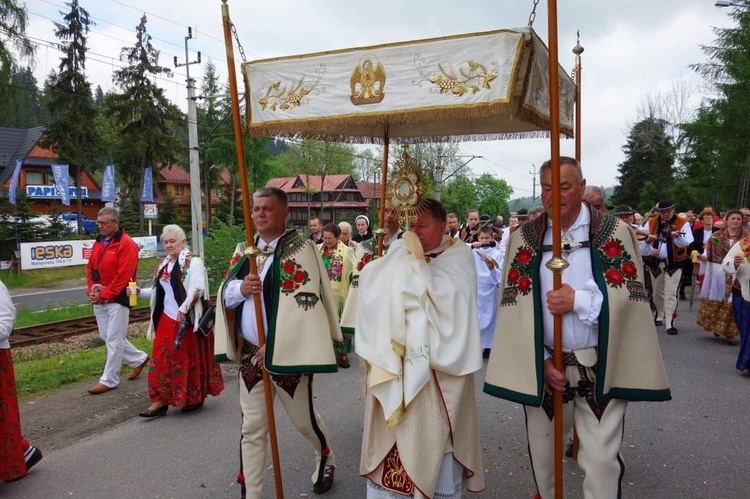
89, 226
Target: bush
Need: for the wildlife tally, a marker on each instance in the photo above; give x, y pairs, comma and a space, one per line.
219, 247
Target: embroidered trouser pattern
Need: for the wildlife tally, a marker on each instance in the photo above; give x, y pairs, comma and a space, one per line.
665, 286
297, 398
599, 428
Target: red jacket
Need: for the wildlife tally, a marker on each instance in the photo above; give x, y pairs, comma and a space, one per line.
117, 264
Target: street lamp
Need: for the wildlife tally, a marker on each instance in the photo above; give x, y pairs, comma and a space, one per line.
726, 3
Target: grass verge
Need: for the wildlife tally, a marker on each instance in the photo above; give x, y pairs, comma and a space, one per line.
44, 277
39, 375
27, 317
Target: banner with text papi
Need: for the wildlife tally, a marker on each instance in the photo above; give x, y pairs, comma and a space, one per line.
55, 254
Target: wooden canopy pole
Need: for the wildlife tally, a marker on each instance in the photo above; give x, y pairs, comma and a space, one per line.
252, 251
557, 264
381, 232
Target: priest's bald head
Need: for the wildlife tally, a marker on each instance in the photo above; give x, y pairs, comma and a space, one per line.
429, 227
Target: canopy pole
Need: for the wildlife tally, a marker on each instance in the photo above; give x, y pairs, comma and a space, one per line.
578, 50
556, 264
381, 232
251, 251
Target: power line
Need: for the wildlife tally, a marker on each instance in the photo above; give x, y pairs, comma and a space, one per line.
56, 45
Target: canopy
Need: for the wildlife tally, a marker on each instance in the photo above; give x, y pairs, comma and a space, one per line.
490, 85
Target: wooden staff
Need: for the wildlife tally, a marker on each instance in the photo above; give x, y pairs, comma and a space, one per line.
557, 264
251, 252
381, 232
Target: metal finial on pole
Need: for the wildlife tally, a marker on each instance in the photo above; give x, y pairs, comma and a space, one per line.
578, 50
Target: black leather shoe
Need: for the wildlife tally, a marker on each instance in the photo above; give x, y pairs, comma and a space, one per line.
658, 322
156, 413
672, 330
324, 483
192, 407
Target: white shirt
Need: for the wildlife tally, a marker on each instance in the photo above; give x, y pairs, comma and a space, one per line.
233, 297
7, 316
682, 241
580, 327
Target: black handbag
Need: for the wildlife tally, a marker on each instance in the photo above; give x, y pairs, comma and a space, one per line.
206, 324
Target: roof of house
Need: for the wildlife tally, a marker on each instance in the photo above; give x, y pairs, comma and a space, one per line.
176, 174
315, 183
370, 190
16, 143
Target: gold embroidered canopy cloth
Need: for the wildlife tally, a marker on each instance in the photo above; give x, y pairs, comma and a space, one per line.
489, 85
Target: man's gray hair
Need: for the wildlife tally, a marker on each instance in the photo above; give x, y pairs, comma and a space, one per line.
564, 160
112, 213
595, 189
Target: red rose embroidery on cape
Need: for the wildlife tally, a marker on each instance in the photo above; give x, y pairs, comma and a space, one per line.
292, 276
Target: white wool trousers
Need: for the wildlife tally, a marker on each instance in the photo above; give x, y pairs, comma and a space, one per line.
254, 442
600, 440
112, 320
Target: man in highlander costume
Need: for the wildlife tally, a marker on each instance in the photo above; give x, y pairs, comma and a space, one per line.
611, 353
300, 323
419, 337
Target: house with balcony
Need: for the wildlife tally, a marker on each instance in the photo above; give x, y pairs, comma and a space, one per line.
174, 180
36, 178
333, 198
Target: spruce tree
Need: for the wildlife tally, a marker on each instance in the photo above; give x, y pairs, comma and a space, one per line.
72, 133
147, 121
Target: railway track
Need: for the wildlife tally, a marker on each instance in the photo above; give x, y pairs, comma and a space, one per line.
56, 331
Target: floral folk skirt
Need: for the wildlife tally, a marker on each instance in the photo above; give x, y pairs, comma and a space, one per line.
185, 376
716, 317
12, 444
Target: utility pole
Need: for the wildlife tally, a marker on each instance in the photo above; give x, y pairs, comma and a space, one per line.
438, 177
439, 180
195, 179
533, 181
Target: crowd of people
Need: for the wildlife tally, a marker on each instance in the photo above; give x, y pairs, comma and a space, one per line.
422, 316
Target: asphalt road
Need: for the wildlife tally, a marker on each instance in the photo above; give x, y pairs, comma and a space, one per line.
41, 300
695, 446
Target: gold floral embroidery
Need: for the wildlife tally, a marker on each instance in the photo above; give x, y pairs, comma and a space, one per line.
394, 474
284, 97
471, 77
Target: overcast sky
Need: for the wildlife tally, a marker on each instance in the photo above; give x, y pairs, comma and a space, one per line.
632, 48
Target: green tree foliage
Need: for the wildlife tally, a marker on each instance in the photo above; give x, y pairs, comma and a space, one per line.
720, 136
13, 21
168, 211
459, 196
72, 132
219, 248
21, 102
649, 154
218, 150
57, 228
17, 224
493, 195
147, 121
698, 183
